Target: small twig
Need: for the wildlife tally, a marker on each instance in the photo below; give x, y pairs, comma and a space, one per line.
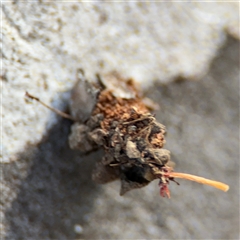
167, 173
62, 114
139, 120
222, 186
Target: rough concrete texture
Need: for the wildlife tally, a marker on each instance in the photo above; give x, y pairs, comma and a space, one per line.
46, 190
44, 44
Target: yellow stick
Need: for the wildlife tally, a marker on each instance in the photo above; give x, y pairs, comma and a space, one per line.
222, 186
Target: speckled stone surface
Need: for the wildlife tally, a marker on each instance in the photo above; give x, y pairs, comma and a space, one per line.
46, 190
45, 43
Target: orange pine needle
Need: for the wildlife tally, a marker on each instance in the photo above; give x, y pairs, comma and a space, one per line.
222, 186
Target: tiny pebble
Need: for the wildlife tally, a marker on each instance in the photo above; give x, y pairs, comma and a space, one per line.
78, 229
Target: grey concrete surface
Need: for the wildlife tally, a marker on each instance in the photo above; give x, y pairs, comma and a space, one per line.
46, 189
56, 194
44, 43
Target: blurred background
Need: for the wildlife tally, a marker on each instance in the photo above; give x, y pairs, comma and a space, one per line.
184, 56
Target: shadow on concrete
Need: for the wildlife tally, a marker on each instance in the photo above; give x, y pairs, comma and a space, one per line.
57, 192
202, 119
